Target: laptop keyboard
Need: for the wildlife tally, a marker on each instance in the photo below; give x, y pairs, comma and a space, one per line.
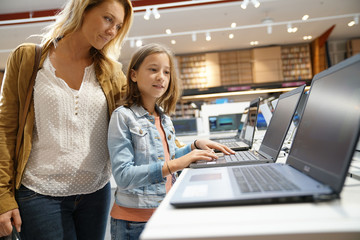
262, 178
231, 144
229, 140
241, 156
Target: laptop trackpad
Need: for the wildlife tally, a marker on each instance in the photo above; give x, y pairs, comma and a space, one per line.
205, 177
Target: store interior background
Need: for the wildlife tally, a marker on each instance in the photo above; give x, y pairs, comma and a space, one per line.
250, 53
222, 75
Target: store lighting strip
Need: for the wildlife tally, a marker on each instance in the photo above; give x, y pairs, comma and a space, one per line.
238, 93
204, 31
53, 18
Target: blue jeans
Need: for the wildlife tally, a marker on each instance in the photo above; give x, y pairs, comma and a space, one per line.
57, 218
125, 230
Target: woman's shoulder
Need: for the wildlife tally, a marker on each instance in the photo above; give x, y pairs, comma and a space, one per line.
24, 49
116, 67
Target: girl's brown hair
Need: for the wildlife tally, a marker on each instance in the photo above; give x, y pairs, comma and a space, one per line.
168, 100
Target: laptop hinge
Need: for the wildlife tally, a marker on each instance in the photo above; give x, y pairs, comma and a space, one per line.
325, 197
267, 156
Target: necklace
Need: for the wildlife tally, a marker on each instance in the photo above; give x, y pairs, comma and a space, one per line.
151, 113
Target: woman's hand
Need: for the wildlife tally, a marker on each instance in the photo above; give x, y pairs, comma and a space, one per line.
208, 144
6, 222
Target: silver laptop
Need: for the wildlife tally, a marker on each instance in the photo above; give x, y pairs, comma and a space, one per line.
243, 140
318, 160
273, 139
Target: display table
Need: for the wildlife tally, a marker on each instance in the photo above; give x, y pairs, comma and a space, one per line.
339, 219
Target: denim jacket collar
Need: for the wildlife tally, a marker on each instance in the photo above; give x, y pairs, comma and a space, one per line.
140, 111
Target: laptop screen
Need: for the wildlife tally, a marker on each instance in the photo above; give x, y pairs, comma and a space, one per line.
280, 122
329, 125
185, 126
248, 131
228, 122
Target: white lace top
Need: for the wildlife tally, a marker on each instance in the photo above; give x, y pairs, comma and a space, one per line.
69, 153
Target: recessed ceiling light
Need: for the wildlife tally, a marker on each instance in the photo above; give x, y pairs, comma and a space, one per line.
138, 43
233, 25
231, 36
208, 37
168, 31
305, 17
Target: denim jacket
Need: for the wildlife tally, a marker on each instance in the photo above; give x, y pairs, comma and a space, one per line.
137, 156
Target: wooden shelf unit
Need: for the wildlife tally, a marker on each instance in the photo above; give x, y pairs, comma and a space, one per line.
235, 67
353, 47
192, 70
296, 62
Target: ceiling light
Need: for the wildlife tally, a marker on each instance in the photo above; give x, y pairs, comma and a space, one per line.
233, 25
356, 19
244, 4
173, 41
132, 43
156, 13
168, 31
253, 43
269, 29
208, 37
305, 17
307, 37
353, 22
256, 3
291, 29
268, 21
231, 36
147, 14
138, 43
193, 37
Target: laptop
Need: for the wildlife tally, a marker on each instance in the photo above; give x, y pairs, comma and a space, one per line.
318, 161
226, 123
273, 139
243, 140
185, 126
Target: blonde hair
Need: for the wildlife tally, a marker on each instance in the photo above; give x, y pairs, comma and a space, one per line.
168, 100
70, 20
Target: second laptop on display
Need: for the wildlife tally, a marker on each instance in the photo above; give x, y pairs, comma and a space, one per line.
273, 139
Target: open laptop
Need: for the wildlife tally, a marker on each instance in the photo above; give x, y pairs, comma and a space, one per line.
318, 161
273, 139
225, 123
185, 126
243, 140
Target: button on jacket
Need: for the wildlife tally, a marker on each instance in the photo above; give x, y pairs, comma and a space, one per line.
14, 89
137, 156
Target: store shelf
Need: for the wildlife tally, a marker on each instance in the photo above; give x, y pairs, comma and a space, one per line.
296, 62
192, 71
235, 67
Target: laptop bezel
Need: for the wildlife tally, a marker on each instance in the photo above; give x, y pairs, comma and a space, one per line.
265, 149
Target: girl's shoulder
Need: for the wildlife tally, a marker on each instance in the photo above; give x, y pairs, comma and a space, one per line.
122, 110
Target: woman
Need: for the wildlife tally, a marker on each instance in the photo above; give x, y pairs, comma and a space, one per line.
62, 174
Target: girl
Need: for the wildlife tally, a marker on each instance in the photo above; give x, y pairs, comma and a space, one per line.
59, 186
141, 141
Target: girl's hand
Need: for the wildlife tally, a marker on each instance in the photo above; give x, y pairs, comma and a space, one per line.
208, 144
193, 156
